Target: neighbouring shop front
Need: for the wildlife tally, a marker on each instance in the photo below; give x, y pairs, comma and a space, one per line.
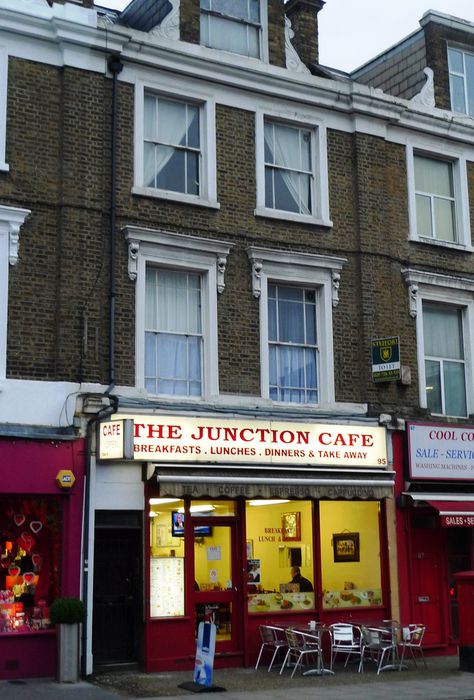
249, 521
41, 507
435, 496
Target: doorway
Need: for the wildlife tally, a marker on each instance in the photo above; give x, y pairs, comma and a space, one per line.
117, 627
217, 583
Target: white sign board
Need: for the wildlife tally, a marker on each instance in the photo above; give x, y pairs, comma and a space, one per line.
206, 440
441, 452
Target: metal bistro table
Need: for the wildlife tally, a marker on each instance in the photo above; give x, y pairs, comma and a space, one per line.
317, 633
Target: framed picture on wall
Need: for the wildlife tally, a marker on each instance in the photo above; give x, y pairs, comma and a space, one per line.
346, 546
290, 527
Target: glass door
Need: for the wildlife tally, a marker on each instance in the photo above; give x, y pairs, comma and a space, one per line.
216, 584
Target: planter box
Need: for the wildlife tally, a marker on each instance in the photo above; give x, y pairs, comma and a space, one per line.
68, 653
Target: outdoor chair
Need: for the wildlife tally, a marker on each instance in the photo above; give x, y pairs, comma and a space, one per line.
345, 639
412, 639
379, 645
301, 646
273, 640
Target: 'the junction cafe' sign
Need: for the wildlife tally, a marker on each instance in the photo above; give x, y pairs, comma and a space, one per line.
210, 440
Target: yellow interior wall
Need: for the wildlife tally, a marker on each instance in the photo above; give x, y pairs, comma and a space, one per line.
263, 524
351, 516
202, 565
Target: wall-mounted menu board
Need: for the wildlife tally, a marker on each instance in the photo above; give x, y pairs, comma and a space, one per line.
166, 586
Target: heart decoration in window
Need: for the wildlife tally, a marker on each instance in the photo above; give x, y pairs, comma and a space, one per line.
19, 519
27, 540
36, 526
36, 559
29, 576
14, 571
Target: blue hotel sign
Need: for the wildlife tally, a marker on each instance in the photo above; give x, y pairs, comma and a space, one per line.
386, 359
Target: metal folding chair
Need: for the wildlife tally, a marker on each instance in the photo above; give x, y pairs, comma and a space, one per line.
301, 646
345, 639
412, 639
273, 640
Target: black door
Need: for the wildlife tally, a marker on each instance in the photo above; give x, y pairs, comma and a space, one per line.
117, 620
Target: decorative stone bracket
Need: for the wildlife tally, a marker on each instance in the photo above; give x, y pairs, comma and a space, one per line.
11, 221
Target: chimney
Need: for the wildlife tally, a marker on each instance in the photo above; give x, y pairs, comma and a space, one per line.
303, 15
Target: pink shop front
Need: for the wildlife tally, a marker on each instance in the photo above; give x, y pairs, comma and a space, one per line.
40, 547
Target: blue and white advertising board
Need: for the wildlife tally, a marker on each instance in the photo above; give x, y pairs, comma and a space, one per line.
205, 648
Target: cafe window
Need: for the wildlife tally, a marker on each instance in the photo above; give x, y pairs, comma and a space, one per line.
350, 554
280, 565
167, 573
29, 562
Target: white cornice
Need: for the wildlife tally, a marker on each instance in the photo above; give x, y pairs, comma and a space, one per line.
75, 39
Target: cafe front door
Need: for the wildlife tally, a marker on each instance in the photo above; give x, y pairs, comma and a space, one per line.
218, 582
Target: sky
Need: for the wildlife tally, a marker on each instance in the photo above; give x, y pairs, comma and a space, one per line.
353, 31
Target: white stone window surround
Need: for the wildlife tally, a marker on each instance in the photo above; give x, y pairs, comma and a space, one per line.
320, 189
11, 220
431, 148
447, 290
4, 167
321, 272
207, 104
264, 53
179, 252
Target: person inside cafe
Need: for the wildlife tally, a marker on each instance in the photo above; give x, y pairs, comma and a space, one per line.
305, 584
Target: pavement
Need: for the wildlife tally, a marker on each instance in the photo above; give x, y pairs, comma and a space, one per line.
441, 680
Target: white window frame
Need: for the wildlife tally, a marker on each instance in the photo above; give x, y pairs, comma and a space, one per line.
207, 118
462, 75
322, 273
4, 167
263, 36
446, 290
186, 253
11, 220
320, 187
457, 158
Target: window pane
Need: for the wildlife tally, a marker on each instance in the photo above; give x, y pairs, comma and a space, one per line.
433, 176
444, 220
171, 121
150, 129
287, 196
455, 61
310, 324
433, 386
287, 147
193, 127
149, 165
192, 173
442, 331
280, 571
458, 102
170, 175
423, 216
455, 389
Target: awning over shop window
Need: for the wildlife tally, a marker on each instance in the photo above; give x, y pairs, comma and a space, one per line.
455, 509
454, 513
260, 483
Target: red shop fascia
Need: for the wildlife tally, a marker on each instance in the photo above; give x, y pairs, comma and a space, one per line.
40, 546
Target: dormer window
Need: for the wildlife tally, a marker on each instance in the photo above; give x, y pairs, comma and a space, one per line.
232, 25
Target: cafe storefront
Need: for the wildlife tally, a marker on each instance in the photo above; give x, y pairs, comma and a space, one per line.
250, 521
435, 526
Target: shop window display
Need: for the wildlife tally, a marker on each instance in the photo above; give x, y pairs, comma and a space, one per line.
350, 554
280, 570
29, 562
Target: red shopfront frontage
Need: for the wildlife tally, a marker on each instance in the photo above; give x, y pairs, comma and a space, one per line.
435, 526
228, 522
40, 547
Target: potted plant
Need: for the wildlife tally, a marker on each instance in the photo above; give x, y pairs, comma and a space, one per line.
68, 614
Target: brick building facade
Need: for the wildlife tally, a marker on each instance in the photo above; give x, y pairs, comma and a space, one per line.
174, 146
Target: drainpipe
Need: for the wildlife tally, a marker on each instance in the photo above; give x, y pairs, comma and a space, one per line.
115, 66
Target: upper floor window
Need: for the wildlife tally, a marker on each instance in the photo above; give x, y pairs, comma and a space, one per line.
232, 25
173, 333
177, 281
293, 348
445, 374
435, 201
438, 194
443, 306
175, 144
461, 80
172, 148
3, 106
291, 170
297, 293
